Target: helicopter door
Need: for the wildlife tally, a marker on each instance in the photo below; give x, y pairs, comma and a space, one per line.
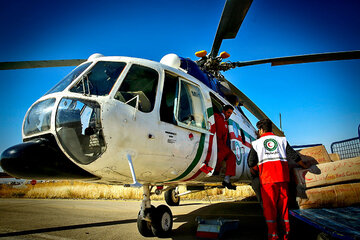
183, 122
218, 105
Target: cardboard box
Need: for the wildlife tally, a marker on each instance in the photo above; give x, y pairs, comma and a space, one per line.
343, 195
314, 155
329, 173
334, 157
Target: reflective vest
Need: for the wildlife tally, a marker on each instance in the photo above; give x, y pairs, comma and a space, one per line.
271, 152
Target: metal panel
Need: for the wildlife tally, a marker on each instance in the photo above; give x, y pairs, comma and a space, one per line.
342, 223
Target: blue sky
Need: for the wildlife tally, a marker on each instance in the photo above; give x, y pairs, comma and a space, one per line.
319, 102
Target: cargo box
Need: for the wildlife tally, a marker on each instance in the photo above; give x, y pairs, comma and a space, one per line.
347, 170
334, 157
314, 155
342, 195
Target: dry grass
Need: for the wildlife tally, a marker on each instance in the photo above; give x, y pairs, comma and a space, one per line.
81, 190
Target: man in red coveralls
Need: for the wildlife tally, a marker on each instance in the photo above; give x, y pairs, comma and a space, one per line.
269, 156
224, 152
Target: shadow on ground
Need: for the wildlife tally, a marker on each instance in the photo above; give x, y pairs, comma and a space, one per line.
251, 222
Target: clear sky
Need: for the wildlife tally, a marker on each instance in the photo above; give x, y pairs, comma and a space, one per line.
319, 102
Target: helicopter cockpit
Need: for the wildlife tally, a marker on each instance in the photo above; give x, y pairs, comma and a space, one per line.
77, 121
76, 102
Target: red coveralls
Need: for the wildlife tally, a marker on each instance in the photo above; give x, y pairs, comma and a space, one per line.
274, 179
223, 151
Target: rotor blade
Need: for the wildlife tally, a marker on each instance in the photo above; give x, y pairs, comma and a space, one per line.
251, 107
40, 64
320, 57
231, 18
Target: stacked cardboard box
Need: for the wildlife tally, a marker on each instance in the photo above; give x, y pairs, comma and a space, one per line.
347, 170
314, 155
334, 157
331, 196
327, 183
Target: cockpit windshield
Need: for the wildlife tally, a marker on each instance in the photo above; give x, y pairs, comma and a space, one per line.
38, 117
60, 86
100, 79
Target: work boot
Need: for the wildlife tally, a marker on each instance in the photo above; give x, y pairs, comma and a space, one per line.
229, 185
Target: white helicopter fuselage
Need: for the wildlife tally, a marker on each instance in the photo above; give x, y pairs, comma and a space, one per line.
134, 132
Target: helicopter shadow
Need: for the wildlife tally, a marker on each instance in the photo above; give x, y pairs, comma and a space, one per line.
248, 213
69, 227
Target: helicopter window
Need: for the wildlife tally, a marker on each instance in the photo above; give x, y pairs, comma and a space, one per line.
38, 117
100, 79
191, 110
168, 99
60, 86
139, 88
217, 104
78, 126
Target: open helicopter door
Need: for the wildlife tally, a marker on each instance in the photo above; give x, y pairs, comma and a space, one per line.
185, 124
239, 139
217, 106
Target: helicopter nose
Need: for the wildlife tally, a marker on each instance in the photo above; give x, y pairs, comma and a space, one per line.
40, 159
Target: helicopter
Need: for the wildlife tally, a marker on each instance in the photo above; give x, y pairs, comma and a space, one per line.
132, 121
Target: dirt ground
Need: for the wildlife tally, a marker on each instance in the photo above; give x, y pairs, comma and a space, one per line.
114, 219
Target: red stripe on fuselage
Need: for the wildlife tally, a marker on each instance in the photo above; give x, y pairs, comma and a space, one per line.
208, 154
232, 136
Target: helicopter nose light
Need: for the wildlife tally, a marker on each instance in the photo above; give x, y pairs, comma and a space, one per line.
224, 55
201, 53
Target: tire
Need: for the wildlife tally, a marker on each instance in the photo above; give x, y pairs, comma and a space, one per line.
171, 199
162, 221
144, 227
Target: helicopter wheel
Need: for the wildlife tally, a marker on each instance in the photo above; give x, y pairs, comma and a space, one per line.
162, 221
144, 226
171, 197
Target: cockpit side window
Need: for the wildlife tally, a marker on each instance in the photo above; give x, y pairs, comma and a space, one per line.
138, 88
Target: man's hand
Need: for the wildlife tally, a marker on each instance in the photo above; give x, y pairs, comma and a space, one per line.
302, 164
314, 169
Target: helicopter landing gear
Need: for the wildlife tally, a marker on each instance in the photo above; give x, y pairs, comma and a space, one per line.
153, 221
162, 221
145, 214
171, 197
144, 226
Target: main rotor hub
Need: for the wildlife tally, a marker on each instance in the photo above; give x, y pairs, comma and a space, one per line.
211, 64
